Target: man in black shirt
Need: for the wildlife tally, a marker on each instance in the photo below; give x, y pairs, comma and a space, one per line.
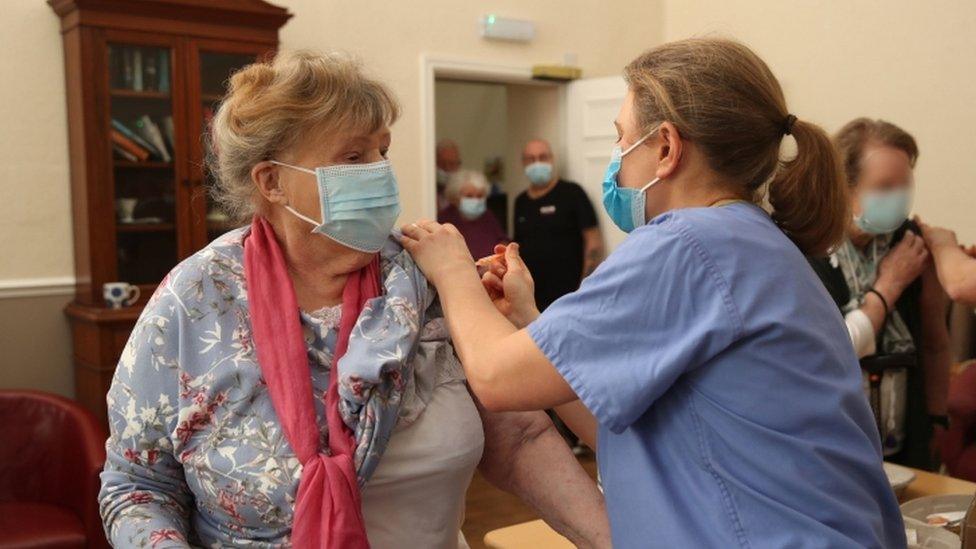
556, 227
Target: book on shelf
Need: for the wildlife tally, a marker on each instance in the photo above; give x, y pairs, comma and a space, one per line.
128, 145
169, 132
124, 130
150, 132
137, 69
163, 71
126, 155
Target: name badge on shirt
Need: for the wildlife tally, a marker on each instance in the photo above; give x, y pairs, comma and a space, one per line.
548, 210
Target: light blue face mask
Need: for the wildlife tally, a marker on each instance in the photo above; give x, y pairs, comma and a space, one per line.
359, 203
472, 207
625, 205
883, 212
539, 173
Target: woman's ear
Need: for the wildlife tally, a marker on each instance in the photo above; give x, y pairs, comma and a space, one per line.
265, 177
669, 155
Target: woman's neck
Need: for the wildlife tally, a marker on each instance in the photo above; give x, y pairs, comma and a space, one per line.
859, 238
318, 266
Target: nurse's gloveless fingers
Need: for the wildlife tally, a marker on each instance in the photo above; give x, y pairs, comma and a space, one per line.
413, 231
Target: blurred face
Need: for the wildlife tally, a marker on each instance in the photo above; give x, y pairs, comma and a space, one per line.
883, 169
471, 191
536, 151
449, 159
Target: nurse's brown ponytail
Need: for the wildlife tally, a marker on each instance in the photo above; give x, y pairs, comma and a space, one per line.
723, 98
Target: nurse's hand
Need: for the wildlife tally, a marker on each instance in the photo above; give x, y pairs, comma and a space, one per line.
510, 286
439, 250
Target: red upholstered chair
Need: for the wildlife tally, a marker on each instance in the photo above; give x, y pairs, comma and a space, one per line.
51, 451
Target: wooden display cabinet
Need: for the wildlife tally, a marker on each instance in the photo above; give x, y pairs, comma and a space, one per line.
143, 78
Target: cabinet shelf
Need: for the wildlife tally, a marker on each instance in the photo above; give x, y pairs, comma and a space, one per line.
211, 97
145, 227
148, 164
138, 94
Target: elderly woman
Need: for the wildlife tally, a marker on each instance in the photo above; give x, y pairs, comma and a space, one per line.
883, 281
292, 384
467, 195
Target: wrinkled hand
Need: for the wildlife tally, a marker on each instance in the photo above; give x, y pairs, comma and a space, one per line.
936, 237
902, 265
439, 250
510, 286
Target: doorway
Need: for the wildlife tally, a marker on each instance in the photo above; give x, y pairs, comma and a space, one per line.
576, 117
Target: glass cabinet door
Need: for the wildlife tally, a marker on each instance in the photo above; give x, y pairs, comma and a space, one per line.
214, 68
141, 129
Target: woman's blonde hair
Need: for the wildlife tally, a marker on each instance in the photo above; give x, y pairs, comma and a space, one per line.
723, 98
461, 178
856, 134
270, 106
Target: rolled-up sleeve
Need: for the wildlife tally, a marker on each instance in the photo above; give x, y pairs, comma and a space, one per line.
144, 499
655, 309
862, 332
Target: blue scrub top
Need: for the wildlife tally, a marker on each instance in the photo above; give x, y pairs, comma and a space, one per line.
727, 390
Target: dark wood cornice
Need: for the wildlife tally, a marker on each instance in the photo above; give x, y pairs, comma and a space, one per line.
247, 13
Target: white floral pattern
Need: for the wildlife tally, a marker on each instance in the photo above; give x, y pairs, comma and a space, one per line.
196, 453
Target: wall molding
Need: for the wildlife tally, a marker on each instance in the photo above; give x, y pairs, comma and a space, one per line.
37, 287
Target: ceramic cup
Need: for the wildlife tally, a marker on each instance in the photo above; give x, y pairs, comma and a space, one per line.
119, 294
124, 208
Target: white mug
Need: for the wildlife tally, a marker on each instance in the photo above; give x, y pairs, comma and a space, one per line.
119, 294
124, 208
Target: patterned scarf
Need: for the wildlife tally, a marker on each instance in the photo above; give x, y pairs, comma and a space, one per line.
378, 336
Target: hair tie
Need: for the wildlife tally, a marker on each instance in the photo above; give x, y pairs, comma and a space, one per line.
788, 124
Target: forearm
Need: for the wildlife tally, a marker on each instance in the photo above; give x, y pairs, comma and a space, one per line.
524, 455
592, 251
140, 511
580, 421
477, 329
956, 272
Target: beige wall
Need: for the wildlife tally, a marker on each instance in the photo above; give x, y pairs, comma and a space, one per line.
35, 216
913, 63
473, 115
34, 344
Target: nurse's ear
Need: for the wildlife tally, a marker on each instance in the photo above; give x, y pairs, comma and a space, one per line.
266, 177
669, 150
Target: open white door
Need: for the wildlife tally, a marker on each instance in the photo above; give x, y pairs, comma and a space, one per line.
591, 107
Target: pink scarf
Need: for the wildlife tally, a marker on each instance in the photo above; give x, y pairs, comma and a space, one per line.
328, 512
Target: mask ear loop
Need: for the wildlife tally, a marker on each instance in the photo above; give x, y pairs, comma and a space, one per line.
288, 207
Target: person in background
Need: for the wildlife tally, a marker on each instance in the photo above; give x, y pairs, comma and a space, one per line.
467, 209
448, 161
955, 265
882, 279
555, 226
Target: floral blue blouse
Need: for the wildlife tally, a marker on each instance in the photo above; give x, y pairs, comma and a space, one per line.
196, 454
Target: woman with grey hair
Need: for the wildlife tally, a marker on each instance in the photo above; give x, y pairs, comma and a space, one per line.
293, 383
467, 194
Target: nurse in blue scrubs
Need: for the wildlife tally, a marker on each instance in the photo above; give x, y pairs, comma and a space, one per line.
703, 359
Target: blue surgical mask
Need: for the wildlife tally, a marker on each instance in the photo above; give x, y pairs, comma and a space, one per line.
472, 207
883, 212
539, 173
359, 203
625, 206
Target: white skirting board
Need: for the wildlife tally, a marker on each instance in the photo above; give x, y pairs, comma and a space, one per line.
37, 287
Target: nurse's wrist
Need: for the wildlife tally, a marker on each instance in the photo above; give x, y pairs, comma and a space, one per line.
521, 319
